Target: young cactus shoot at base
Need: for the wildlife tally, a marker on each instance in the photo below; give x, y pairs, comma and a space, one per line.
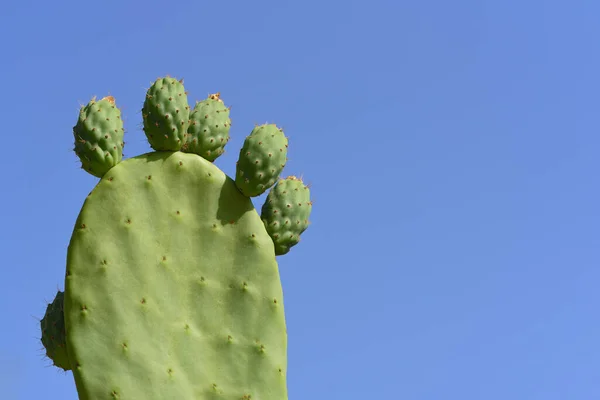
172, 288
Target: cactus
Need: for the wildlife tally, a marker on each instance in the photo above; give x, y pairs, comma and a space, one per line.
285, 213
262, 158
208, 132
172, 287
53, 333
166, 114
99, 136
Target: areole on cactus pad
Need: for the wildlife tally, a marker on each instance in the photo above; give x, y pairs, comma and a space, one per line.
172, 288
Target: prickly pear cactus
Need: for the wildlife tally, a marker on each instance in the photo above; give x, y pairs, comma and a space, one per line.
53, 333
262, 158
166, 114
99, 136
172, 288
208, 131
286, 212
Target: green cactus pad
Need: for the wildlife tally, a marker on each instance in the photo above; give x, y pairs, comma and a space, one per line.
285, 213
172, 287
262, 158
99, 136
166, 114
53, 333
208, 132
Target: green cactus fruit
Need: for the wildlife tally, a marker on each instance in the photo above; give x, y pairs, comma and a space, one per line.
172, 287
53, 333
99, 136
166, 114
262, 158
285, 213
208, 132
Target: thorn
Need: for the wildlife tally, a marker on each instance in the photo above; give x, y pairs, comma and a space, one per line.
110, 99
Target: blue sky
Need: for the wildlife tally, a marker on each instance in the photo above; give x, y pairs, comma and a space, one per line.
452, 149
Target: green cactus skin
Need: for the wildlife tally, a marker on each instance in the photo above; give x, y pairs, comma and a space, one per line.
262, 158
53, 333
166, 114
285, 213
208, 132
172, 287
99, 136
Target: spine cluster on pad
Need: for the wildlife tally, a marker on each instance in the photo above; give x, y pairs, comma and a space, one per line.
172, 287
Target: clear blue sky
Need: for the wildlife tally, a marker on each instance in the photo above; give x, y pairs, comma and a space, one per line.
453, 152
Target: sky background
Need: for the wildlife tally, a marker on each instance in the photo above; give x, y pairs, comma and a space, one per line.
452, 148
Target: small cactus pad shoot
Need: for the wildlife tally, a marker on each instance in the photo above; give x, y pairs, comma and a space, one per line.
53, 333
208, 132
166, 114
285, 213
262, 158
99, 136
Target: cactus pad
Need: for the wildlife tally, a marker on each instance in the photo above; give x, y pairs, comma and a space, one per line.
208, 132
285, 213
172, 287
262, 158
99, 136
166, 114
53, 333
